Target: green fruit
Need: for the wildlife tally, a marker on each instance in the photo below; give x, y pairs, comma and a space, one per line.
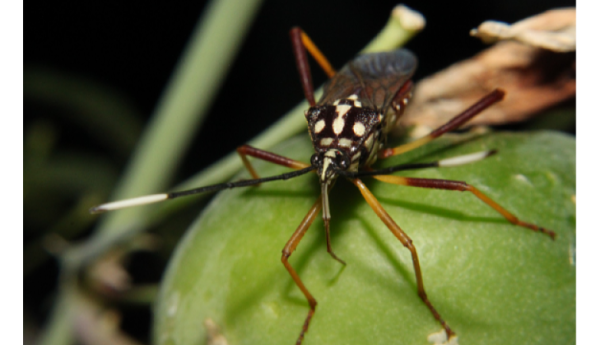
493, 282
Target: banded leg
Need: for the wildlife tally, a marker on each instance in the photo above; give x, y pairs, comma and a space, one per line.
400, 102
407, 242
247, 150
300, 42
298, 35
488, 100
462, 187
287, 252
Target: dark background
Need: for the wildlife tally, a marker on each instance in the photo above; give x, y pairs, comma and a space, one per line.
132, 48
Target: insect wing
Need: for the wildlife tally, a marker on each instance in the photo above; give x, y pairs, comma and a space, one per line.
376, 78
382, 75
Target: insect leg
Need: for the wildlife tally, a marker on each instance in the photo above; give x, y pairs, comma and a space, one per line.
407, 242
287, 252
462, 187
400, 102
247, 150
454, 123
300, 41
298, 35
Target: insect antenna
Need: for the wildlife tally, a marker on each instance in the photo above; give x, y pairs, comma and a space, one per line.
149, 199
448, 162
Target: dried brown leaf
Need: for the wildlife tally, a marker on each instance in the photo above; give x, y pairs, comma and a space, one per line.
533, 78
553, 30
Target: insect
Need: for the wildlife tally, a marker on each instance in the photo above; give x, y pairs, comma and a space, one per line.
348, 127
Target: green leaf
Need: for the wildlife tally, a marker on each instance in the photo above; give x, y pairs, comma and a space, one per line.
493, 282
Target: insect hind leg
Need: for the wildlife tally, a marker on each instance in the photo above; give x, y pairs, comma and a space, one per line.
485, 102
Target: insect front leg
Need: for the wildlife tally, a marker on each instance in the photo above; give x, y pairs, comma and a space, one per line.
247, 150
287, 252
407, 242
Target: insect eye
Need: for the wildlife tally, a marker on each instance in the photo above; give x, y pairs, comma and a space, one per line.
314, 160
312, 113
342, 161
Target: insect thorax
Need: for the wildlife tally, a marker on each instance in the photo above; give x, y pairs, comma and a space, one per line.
347, 126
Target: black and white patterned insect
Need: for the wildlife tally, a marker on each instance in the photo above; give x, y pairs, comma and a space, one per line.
348, 126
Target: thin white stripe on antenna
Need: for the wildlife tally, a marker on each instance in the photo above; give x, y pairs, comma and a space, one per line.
142, 200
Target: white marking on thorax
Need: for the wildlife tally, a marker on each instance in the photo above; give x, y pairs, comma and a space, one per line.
359, 129
357, 103
319, 126
326, 141
339, 122
345, 142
